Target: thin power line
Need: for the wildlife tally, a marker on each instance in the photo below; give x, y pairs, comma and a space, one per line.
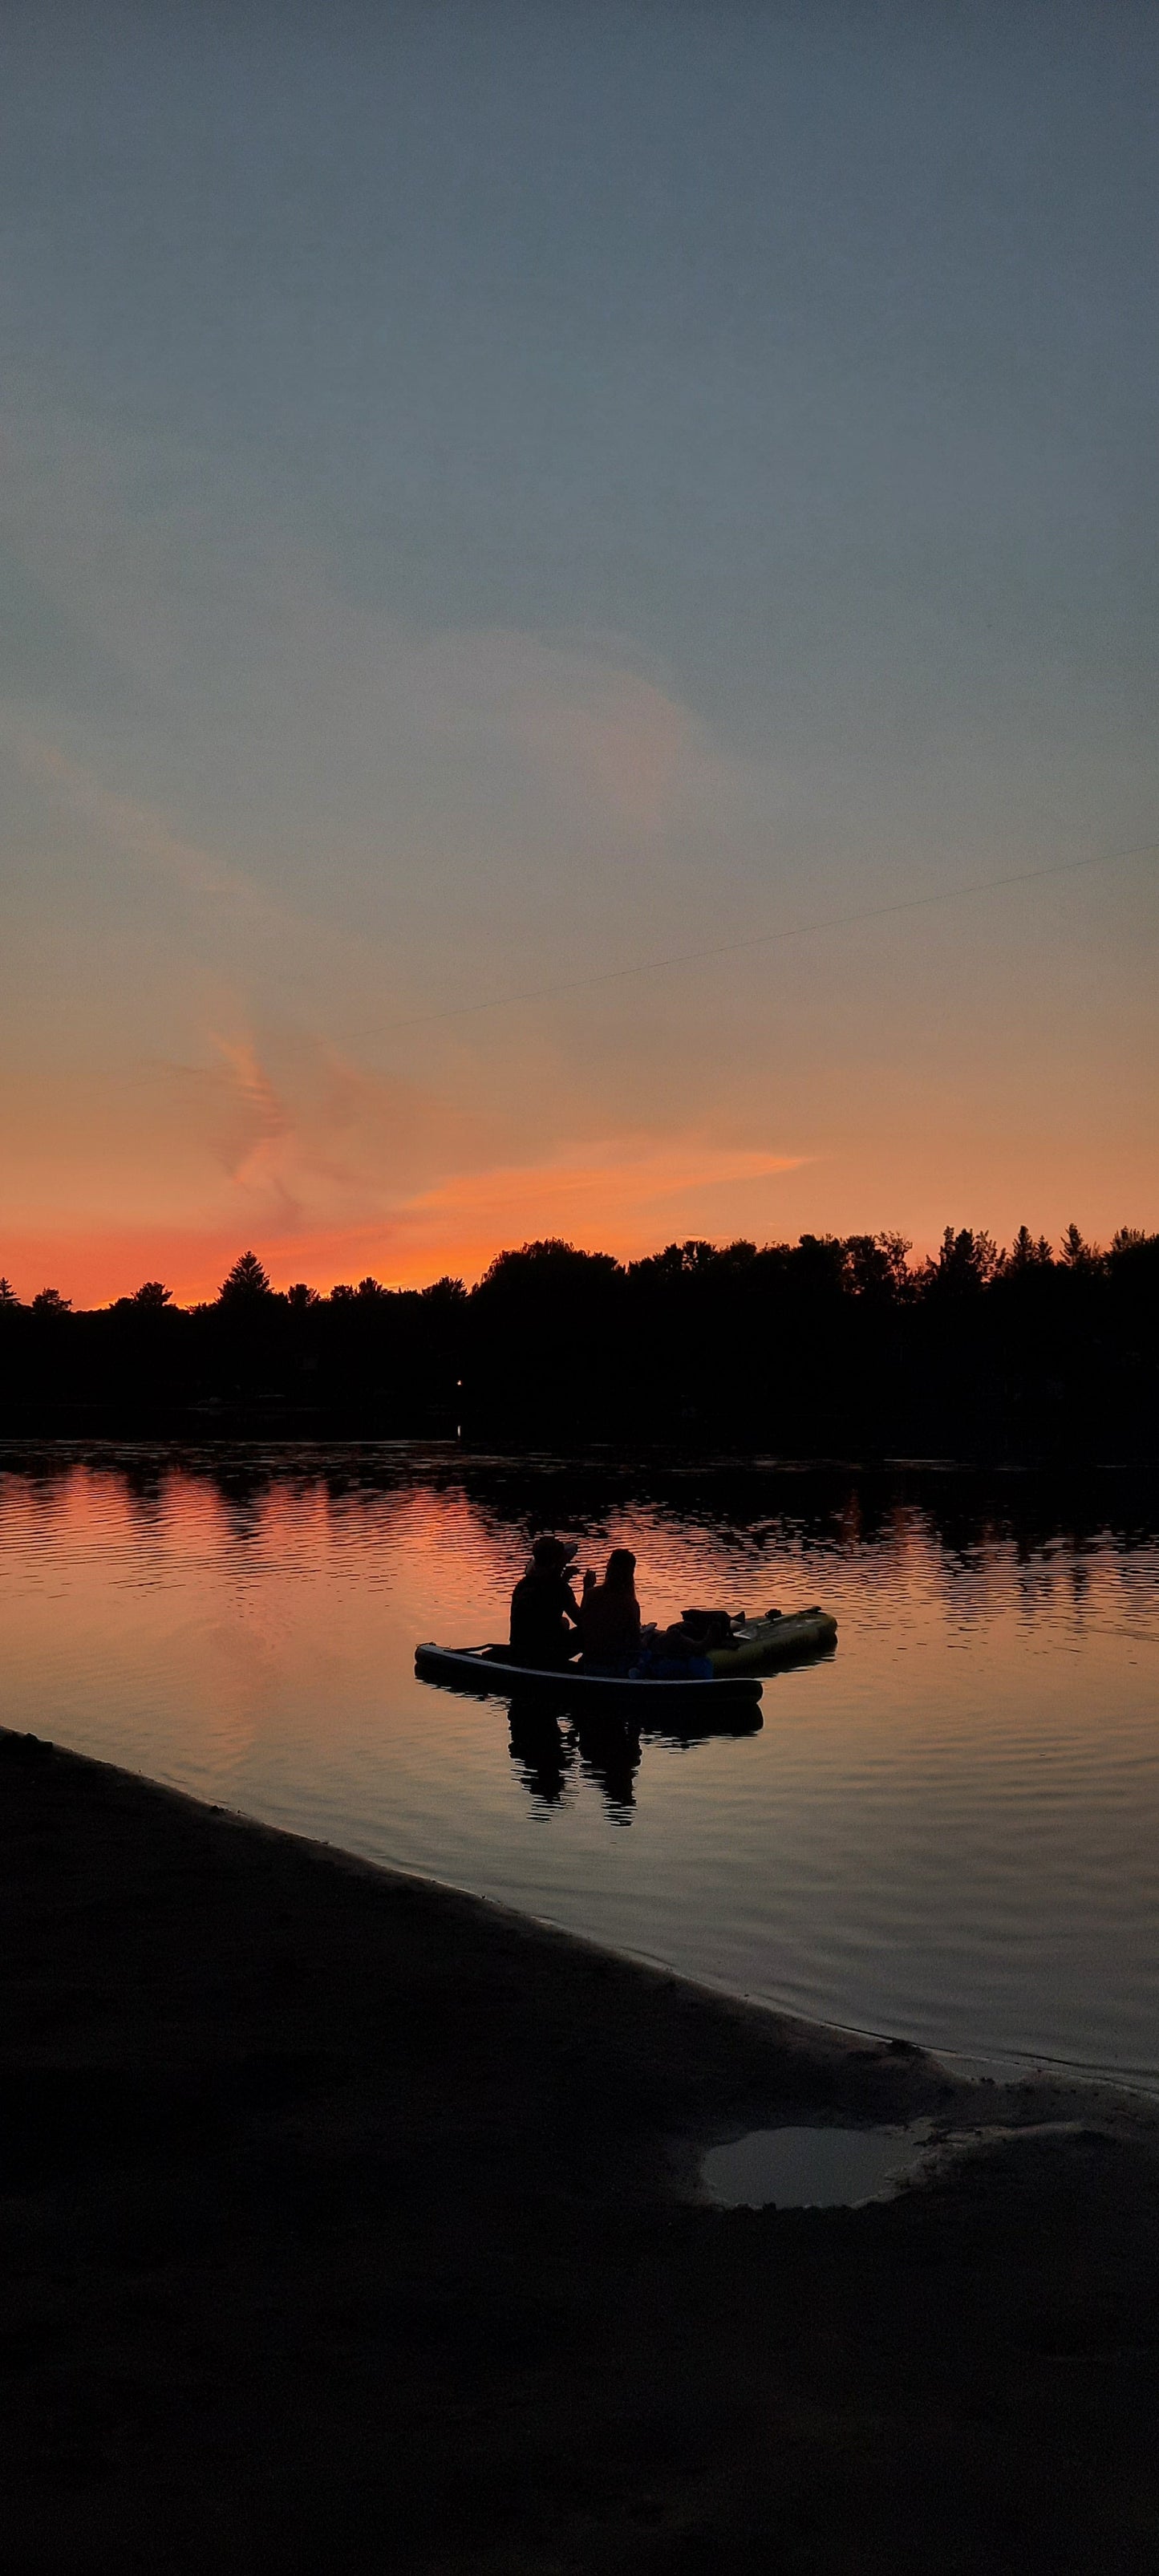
774, 938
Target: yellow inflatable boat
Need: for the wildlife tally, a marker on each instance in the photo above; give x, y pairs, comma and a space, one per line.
759, 1645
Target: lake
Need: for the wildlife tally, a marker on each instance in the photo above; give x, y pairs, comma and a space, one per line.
948, 1831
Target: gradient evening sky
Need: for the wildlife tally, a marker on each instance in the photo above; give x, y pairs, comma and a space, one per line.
495, 494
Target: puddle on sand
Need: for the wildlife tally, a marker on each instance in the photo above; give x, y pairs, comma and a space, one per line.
812, 2168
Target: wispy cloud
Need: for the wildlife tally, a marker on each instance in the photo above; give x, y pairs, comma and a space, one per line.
596, 733
304, 1136
139, 831
632, 1172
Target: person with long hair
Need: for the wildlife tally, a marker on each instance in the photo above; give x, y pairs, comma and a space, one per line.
609, 1614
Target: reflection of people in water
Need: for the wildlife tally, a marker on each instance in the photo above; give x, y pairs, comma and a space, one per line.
544, 1610
610, 1753
544, 1753
609, 1616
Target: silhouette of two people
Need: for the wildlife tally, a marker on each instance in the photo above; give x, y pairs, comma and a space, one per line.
549, 1626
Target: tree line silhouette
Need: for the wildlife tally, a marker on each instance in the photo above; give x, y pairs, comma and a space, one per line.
834, 1345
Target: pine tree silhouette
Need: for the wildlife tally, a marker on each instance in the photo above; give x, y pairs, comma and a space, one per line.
246, 1283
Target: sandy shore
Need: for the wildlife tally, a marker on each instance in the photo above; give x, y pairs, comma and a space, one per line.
342, 2228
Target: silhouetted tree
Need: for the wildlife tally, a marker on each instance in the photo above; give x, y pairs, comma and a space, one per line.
299, 1298
48, 1301
966, 1262
1132, 1266
246, 1283
446, 1292
1077, 1255
8, 1296
876, 1265
1027, 1253
152, 1296
820, 1264
541, 1266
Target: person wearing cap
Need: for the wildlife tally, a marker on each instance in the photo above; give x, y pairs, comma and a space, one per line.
544, 1611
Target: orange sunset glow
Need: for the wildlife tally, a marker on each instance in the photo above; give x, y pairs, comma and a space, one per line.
678, 764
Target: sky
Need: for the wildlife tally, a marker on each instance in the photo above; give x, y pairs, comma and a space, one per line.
577, 629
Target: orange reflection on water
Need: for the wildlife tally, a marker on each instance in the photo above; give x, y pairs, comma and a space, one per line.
946, 1831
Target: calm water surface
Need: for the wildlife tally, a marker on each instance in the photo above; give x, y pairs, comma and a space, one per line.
949, 1831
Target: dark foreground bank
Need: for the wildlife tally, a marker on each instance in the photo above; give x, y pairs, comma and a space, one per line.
341, 2230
